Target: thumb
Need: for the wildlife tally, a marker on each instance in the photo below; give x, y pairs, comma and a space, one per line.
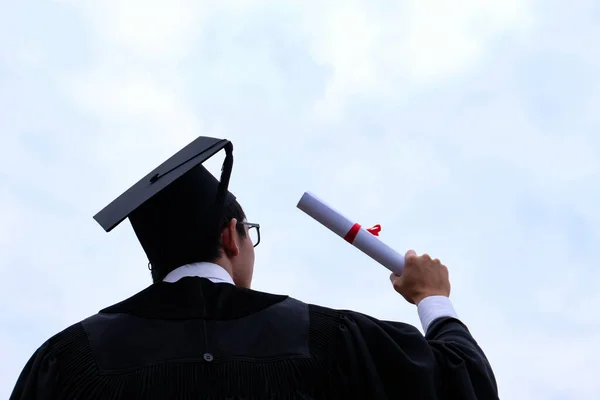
395, 279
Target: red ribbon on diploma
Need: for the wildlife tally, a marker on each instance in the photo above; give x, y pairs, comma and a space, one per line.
351, 235
375, 230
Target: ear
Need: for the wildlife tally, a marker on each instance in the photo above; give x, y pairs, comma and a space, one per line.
229, 239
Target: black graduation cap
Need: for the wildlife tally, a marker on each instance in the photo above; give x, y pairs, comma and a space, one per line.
178, 204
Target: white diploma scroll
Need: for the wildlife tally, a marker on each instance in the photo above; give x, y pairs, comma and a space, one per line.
352, 232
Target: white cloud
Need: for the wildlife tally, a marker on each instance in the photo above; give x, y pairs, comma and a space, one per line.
392, 48
11, 214
156, 29
447, 38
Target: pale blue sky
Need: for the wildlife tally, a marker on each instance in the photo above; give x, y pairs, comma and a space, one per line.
468, 129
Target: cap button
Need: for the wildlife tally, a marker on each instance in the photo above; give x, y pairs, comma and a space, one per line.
208, 357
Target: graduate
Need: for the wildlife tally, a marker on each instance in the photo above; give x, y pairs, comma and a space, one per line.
200, 331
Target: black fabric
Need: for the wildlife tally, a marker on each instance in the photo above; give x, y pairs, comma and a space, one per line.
176, 168
223, 196
316, 353
193, 297
170, 225
277, 332
397, 362
177, 206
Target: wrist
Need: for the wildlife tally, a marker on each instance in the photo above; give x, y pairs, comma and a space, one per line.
434, 307
419, 298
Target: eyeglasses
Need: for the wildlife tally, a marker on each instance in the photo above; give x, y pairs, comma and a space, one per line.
253, 232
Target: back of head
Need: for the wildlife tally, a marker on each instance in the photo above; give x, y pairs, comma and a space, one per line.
179, 210
180, 225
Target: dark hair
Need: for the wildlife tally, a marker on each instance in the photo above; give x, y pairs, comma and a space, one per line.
207, 249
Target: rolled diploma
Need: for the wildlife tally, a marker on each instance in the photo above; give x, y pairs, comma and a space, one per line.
364, 240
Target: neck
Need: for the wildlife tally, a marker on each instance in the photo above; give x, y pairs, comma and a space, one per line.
226, 265
238, 279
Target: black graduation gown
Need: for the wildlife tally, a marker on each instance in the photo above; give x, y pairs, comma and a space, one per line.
200, 340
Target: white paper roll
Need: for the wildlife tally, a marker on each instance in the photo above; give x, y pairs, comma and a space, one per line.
341, 226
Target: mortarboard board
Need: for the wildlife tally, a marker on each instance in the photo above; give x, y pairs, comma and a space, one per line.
176, 203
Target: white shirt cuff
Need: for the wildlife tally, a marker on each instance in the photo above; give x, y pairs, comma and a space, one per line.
434, 307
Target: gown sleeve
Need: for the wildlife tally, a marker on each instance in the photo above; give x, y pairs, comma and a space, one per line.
466, 370
395, 360
38, 378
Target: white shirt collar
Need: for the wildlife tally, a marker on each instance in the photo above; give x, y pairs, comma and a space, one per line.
215, 273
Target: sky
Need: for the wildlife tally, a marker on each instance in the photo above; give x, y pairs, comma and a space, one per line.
467, 129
